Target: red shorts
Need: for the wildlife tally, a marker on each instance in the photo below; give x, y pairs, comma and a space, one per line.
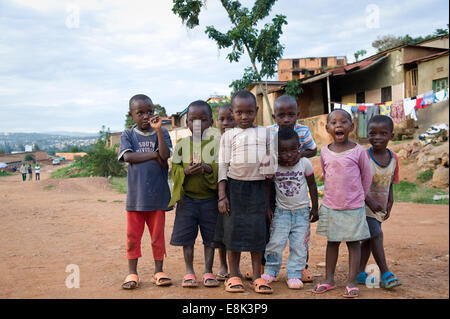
136, 221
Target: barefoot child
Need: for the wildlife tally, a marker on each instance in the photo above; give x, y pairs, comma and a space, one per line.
285, 114
342, 215
226, 121
243, 152
379, 200
146, 148
195, 190
293, 178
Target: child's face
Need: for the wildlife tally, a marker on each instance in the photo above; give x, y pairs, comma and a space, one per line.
288, 152
379, 135
244, 112
225, 119
198, 113
339, 126
141, 112
286, 114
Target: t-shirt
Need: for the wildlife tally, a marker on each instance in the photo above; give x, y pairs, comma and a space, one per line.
147, 184
382, 178
291, 186
242, 151
37, 169
304, 135
347, 178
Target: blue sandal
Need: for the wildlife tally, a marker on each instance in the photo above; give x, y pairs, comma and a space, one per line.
361, 278
391, 282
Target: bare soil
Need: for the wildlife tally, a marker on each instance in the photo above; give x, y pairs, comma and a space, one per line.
49, 224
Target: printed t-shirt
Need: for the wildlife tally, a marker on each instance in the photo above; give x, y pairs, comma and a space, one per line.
291, 185
305, 138
147, 184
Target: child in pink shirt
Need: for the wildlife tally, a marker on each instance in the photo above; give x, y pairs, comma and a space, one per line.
342, 216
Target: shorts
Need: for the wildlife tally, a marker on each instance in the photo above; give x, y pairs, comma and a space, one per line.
192, 214
374, 227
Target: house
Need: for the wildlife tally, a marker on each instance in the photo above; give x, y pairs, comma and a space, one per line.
391, 75
18, 158
70, 156
300, 68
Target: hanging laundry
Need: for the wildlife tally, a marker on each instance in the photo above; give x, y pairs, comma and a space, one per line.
428, 98
385, 109
362, 107
409, 106
397, 112
441, 96
354, 108
372, 110
348, 108
419, 99
337, 106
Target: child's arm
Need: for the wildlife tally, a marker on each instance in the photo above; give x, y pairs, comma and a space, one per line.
223, 204
139, 157
163, 148
313, 215
306, 152
390, 202
365, 171
269, 212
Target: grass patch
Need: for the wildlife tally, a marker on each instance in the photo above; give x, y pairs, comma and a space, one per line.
405, 163
102, 200
425, 176
410, 192
70, 172
437, 144
119, 184
49, 187
401, 141
5, 174
117, 201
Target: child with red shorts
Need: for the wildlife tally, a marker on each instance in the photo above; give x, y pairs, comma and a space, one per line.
146, 148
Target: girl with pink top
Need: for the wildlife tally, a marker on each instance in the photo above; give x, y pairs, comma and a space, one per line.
347, 177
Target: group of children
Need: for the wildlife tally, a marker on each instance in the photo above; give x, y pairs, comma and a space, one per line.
246, 188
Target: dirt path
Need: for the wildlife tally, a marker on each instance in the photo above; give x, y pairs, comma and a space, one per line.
46, 225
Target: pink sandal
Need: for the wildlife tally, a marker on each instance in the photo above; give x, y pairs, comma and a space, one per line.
294, 283
326, 286
348, 291
269, 278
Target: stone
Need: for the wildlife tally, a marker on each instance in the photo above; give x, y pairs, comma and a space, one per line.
440, 177
321, 264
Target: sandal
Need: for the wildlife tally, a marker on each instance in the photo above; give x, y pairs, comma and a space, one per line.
307, 276
209, 276
222, 277
389, 283
294, 283
158, 279
132, 280
269, 278
189, 281
259, 283
231, 285
326, 286
348, 292
361, 278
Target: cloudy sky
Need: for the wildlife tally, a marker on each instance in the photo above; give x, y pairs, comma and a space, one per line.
73, 65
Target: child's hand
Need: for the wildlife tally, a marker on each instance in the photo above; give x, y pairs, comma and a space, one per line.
156, 122
224, 206
206, 168
193, 169
374, 205
266, 167
388, 213
313, 215
269, 215
161, 161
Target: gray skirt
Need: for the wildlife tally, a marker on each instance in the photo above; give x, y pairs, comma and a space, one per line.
343, 225
245, 228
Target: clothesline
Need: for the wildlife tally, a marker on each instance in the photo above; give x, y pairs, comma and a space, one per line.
397, 110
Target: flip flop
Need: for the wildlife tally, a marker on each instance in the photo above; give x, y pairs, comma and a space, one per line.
327, 288
191, 284
232, 283
294, 283
361, 278
157, 279
260, 282
269, 278
307, 276
222, 277
348, 291
209, 276
131, 279
388, 283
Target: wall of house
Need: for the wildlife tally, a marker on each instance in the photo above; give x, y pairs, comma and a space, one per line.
436, 113
310, 102
410, 53
431, 70
437, 43
316, 125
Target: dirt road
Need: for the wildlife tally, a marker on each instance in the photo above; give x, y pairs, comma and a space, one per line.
49, 224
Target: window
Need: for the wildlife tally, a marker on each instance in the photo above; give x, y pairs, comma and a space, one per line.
340, 61
414, 77
386, 94
361, 97
324, 61
295, 64
440, 84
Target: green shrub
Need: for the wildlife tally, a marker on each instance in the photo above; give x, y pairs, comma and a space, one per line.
425, 176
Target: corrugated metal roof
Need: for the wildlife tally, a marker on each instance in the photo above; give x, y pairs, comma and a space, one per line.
428, 57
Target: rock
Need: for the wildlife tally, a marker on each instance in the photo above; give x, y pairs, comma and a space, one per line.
402, 154
440, 177
321, 264
420, 243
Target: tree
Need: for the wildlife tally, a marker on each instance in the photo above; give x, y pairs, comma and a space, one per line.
30, 158
359, 53
293, 88
262, 46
